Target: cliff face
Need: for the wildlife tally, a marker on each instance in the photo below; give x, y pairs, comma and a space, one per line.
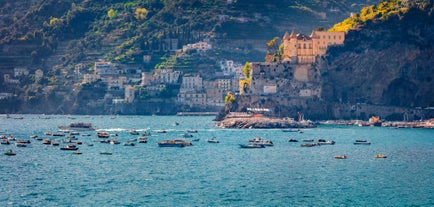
386, 63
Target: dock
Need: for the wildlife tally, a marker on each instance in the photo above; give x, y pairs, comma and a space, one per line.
197, 113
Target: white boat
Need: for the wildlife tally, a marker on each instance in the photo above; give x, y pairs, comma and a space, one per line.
325, 142
213, 140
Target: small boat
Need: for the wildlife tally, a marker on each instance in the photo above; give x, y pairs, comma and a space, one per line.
20, 144
55, 143
292, 130
258, 140
103, 135
325, 142
105, 153
292, 140
213, 140
23, 141
74, 133
46, 141
252, 145
69, 147
192, 131
308, 145
129, 144
146, 134
105, 141
161, 131
341, 157
89, 144
142, 140
114, 142
175, 123
48, 133
58, 135
9, 152
174, 143
307, 140
380, 156
195, 140
186, 135
134, 132
361, 142
77, 153
5, 142
85, 135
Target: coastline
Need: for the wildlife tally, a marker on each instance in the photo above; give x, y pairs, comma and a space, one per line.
263, 123
277, 123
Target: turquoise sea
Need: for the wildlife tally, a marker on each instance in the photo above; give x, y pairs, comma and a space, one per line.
222, 174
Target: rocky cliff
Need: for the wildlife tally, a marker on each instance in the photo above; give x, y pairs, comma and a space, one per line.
387, 62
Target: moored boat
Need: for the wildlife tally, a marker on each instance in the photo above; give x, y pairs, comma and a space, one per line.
361, 142
5, 142
325, 142
174, 143
292, 140
252, 145
46, 141
114, 141
341, 157
213, 140
259, 140
9, 152
78, 126
308, 145
129, 144
103, 135
69, 147
142, 140
134, 132
380, 156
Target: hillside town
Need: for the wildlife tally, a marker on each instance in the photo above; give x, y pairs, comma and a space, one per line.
128, 84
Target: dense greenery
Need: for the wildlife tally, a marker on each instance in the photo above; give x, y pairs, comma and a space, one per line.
380, 12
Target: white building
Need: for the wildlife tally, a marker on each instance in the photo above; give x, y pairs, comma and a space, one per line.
191, 83
90, 78
116, 82
167, 76
199, 46
129, 94
105, 68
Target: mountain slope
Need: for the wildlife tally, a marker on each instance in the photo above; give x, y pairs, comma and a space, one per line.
389, 61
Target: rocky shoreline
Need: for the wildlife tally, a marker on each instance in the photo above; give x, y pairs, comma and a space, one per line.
263, 123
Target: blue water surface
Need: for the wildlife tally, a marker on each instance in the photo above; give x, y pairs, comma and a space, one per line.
222, 174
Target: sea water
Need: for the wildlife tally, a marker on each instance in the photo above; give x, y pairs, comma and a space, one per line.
210, 174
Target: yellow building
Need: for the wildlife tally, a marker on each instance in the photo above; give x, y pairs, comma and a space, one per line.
303, 49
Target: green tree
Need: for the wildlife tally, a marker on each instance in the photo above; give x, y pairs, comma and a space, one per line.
112, 13
141, 13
